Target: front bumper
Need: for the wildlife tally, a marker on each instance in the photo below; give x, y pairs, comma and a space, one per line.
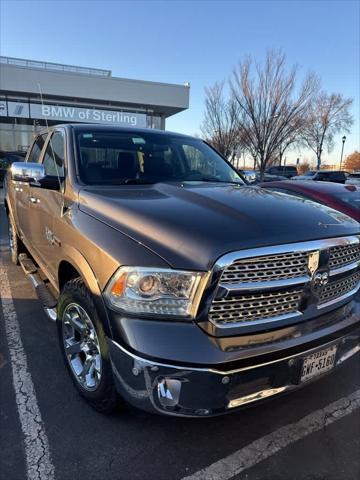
199, 392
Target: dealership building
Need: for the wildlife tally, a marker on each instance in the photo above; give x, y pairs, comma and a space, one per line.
34, 94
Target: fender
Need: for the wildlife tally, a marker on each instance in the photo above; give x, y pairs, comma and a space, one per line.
76, 259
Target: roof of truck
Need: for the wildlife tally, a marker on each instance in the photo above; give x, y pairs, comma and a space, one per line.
116, 128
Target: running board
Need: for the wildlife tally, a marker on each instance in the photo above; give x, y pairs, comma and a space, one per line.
46, 298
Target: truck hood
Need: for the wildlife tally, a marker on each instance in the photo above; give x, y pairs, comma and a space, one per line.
191, 225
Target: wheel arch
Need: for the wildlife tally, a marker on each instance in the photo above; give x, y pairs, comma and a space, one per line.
74, 265
66, 272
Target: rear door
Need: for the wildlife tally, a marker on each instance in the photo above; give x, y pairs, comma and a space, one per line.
47, 202
21, 191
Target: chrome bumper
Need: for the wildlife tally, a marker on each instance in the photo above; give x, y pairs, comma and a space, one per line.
201, 392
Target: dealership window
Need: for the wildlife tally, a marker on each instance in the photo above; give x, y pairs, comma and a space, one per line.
15, 136
54, 155
153, 121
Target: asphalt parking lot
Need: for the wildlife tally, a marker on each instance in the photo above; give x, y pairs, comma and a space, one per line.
310, 434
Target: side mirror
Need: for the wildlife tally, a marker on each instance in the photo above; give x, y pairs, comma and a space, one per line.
27, 172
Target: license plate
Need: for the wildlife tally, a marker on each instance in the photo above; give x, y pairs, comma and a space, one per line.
318, 363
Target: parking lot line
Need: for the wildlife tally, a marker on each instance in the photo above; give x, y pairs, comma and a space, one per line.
38, 458
272, 443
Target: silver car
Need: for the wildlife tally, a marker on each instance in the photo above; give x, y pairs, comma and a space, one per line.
353, 179
249, 175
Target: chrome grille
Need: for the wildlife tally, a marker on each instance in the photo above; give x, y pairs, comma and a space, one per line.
268, 284
341, 287
344, 255
267, 268
257, 306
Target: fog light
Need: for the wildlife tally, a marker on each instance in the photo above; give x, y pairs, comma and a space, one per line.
202, 411
169, 392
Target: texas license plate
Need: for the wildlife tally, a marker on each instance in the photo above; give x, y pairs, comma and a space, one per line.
318, 363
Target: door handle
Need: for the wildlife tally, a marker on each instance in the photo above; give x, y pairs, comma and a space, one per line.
34, 199
18, 189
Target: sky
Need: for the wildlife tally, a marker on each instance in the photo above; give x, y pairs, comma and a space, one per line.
199, 42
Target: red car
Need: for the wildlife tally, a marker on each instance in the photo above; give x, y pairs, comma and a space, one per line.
345, 198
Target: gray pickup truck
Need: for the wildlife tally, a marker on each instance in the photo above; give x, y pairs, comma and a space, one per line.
175, 286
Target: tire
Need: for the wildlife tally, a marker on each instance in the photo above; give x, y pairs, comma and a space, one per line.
16, 246
84, 348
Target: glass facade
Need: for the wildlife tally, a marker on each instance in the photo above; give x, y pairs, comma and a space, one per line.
16, 136
17, 133
153, 121
74, 94
21, 117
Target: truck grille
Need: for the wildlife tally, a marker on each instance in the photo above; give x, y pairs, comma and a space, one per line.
344, 255
267, 268
265, 285
339, 288
258, 306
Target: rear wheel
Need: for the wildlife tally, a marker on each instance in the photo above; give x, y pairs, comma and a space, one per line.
83, 344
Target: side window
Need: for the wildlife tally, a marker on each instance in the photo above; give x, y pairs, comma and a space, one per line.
54, 156
34, 156
337, 177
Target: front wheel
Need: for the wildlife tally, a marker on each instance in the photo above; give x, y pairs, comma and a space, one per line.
84, 348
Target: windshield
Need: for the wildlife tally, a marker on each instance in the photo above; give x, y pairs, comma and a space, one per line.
117, 158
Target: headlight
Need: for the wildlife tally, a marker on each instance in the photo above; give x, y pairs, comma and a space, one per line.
156, 291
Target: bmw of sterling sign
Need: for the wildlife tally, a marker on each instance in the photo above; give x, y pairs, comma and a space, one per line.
75, 114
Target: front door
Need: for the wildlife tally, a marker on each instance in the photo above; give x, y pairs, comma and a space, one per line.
46, 204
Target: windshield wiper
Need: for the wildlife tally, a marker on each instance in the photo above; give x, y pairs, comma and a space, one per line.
213, 180
128, 181
136, 181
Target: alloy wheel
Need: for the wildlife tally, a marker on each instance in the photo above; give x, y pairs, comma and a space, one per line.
82, 348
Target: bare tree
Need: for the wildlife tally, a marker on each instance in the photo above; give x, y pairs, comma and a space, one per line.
220, 127
327, 116
271, 107
292, 140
